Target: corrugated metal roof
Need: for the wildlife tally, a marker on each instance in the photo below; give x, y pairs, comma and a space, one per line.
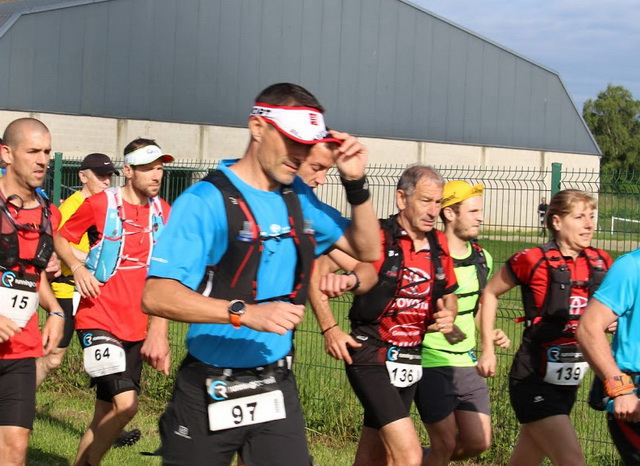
382, 68
12, 10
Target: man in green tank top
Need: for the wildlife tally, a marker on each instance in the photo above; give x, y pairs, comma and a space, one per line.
452, 398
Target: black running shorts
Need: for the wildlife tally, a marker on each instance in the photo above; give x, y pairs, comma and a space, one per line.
382, 402
17, 392
184, 426
69, 321
534, 401
111, 385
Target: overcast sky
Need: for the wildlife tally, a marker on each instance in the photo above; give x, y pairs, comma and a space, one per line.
589, 43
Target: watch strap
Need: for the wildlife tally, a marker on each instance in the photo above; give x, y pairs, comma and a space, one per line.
235, 320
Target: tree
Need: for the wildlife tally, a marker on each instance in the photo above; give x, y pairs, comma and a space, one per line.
614, 120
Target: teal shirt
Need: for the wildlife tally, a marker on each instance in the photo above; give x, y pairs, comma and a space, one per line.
436, 350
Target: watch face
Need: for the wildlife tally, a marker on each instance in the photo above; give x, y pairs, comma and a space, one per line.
237, 307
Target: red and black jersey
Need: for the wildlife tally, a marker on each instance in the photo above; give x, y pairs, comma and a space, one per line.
555, 291
401, 305
28, 344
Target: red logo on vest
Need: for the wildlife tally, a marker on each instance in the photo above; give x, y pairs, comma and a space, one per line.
415, 282
577, 305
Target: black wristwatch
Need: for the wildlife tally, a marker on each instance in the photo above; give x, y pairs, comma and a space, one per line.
236, 309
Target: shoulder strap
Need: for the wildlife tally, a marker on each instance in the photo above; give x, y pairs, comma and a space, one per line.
238, 267
45, 203
234, 277
232, 200
481, 264
439, 277
105, 256
478, 259
368, 308
305, 245
156, 219
545, 248
597, 269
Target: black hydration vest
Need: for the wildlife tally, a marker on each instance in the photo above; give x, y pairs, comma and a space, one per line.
371, 306
235, 276
9, 244
478, 259
557, 300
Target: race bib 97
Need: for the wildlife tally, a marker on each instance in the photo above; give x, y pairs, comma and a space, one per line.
233, 403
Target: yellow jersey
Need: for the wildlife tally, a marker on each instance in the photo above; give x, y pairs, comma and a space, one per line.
62, 289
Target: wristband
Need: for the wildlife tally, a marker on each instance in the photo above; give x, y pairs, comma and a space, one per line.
58, 314
357, 190
619, 385
76, 268
357, 285
328, 328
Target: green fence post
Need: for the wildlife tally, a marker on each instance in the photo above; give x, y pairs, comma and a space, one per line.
57, 178
556, 177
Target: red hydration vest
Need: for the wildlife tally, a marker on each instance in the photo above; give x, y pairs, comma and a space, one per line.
370, 307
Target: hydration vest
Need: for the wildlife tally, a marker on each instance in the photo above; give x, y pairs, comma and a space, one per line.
371, 306
559, 284
9, 244
106, 255
478, 259
235, 276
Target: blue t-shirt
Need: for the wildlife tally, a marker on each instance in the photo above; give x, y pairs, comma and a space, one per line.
196, 236
620, 292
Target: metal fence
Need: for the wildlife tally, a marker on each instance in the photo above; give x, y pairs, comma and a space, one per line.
511, 199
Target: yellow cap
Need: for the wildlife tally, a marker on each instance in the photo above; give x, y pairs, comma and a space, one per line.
457, 191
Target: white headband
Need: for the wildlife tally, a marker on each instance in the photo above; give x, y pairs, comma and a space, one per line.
145, 155
302, 124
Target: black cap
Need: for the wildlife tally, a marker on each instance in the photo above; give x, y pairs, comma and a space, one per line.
100, 164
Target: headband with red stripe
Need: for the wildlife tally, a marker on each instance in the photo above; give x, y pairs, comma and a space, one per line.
301, 124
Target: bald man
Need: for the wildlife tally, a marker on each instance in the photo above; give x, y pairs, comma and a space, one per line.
28, 223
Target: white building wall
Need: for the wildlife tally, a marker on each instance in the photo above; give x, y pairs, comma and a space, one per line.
508, 204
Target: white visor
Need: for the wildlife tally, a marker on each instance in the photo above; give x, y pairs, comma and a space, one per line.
301, 124
147, 154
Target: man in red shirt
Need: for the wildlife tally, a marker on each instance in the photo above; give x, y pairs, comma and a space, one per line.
28, 222
398, 298
123, 224
96, 171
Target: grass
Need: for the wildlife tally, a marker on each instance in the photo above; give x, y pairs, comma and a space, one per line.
65, 406
332, 412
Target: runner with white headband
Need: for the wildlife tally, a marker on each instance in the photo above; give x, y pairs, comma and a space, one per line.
234, 262
302, 124
123, 223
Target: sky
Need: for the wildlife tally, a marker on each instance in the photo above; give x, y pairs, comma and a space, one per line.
589, 43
